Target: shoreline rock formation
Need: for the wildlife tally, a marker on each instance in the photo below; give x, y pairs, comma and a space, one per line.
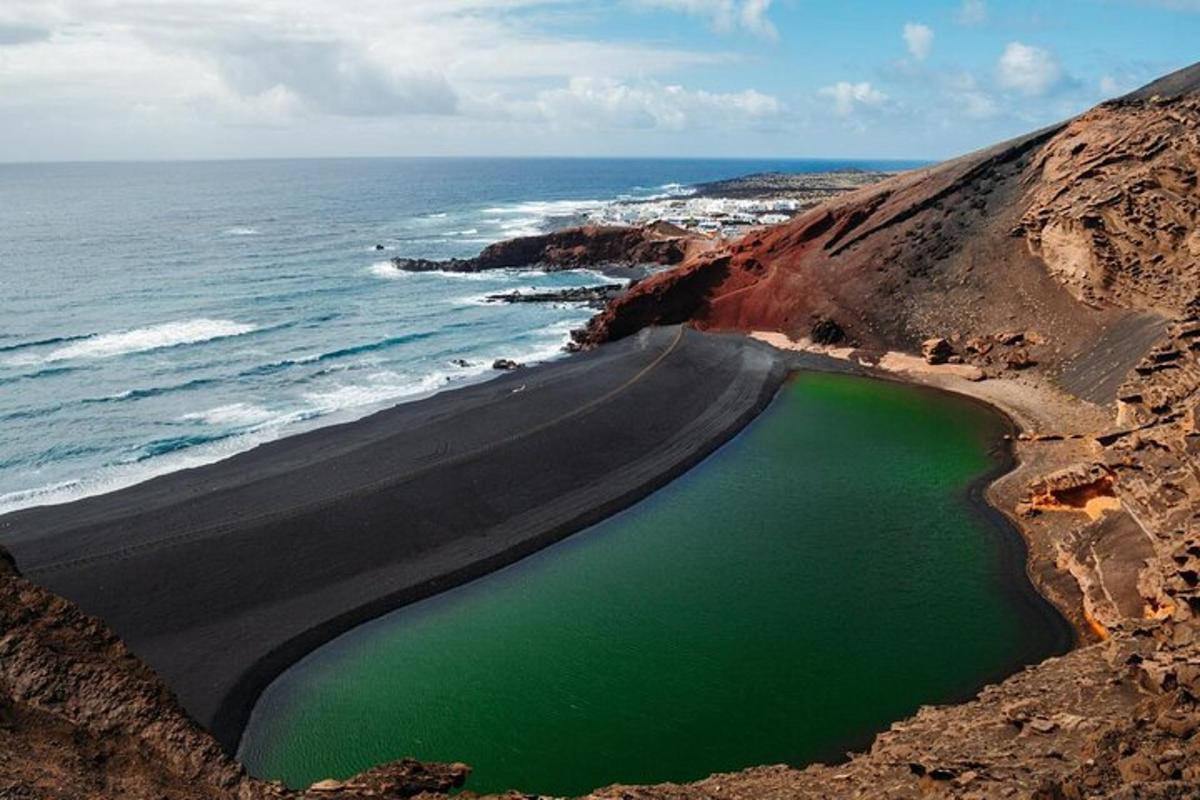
591, 296
576, 248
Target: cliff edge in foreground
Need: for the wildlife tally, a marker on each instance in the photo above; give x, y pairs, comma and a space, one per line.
80, 717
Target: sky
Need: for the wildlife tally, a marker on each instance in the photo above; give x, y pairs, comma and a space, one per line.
927, 79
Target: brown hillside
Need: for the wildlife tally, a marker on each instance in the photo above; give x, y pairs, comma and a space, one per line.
1063, 232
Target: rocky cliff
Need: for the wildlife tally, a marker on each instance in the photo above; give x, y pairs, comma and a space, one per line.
80, 717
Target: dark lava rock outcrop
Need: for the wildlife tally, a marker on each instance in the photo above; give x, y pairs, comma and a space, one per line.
594, 296
809, 188
574, 248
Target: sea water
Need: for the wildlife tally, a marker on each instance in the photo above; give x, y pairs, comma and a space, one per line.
157, 316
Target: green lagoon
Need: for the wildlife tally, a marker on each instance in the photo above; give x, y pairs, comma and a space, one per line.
820, 576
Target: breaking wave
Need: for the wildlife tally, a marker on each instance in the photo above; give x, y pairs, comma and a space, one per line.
138, 340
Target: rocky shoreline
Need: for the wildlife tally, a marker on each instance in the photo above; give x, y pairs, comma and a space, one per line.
588, 246
592, 296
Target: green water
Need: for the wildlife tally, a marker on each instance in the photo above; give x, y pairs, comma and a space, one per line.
819, 577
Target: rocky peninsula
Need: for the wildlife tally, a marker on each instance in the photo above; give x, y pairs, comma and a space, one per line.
589, 246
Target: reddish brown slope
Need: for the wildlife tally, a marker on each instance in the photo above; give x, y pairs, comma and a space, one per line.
1063, 231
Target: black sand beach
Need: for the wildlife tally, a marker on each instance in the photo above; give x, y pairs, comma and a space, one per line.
222, 576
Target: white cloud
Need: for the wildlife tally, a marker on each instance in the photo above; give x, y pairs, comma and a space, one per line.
848, 97
971, 101
332, 78
725, 15
919, 39
972, 12
609, 104
199, 64
1029, 70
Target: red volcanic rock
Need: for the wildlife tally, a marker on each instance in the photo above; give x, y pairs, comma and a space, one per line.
1057, 231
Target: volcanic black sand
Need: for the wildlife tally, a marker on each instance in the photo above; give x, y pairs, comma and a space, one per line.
222, 576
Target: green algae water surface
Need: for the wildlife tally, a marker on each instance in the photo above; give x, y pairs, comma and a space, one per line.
824, 574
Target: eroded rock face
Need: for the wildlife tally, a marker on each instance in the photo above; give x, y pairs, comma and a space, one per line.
1074, 488
1113, 211
80, 717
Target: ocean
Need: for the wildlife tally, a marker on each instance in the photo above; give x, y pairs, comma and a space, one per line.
158, 316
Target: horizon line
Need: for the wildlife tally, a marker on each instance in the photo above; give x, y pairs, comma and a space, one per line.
225, 159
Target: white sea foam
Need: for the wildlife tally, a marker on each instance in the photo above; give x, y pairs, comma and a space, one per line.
548, 351
546, 208
600, 277
154, 337
241, 230
386, 269
24, 498
233, 414
389, 271
119, 476
561, 328
531, 217
380, 388
672, 190
340, 403
494, 275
